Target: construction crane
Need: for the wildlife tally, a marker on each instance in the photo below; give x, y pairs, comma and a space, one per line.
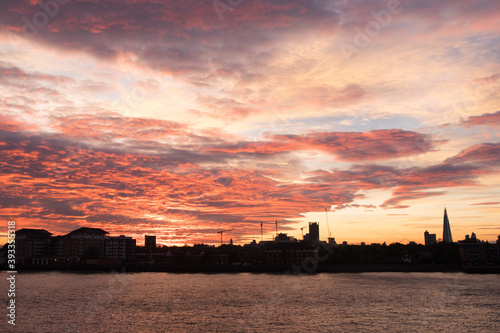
261, 237
262, 231
327, 226
221, 232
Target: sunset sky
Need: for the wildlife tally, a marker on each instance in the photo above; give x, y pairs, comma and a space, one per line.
184, 118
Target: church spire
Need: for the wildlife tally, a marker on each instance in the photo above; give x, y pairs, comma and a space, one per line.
446, 229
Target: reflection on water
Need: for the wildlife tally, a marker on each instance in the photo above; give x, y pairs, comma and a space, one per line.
157, 302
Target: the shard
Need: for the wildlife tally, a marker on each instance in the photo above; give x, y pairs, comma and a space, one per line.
446, 229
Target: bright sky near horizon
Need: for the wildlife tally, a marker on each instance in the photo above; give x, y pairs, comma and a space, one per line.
184, 118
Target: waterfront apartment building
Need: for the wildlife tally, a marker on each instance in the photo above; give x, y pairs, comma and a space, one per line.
33, 246
119, 248
39, 247
83, 243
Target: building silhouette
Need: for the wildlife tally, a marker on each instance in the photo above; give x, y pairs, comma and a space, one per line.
33, 246
429, 238
150, 243
446, 229
314, 231
83, 243
498, 249
119, 248
313, 236
284, 238
476, 252
39, 247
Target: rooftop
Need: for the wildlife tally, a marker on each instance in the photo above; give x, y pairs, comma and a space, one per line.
88, 231
33, 232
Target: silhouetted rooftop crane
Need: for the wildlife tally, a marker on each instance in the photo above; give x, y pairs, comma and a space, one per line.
327, 226
261, 229
220, 232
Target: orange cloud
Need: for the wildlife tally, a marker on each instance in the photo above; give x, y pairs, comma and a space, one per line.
54, 181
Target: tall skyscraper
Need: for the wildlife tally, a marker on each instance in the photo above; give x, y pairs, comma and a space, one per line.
314, 231
446, 229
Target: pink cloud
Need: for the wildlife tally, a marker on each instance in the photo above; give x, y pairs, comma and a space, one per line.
487, 119
487, 154
106, 126
372, 145
224, 108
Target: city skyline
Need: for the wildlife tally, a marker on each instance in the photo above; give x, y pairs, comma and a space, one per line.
313, 235
183, 119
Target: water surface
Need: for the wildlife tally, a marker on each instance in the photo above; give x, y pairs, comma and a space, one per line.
246, 302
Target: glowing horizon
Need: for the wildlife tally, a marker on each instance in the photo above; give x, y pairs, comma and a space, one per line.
181, 119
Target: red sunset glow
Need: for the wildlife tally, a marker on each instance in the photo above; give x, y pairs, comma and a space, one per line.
175, 119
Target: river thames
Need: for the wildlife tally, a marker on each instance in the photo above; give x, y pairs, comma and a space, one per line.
246, 302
